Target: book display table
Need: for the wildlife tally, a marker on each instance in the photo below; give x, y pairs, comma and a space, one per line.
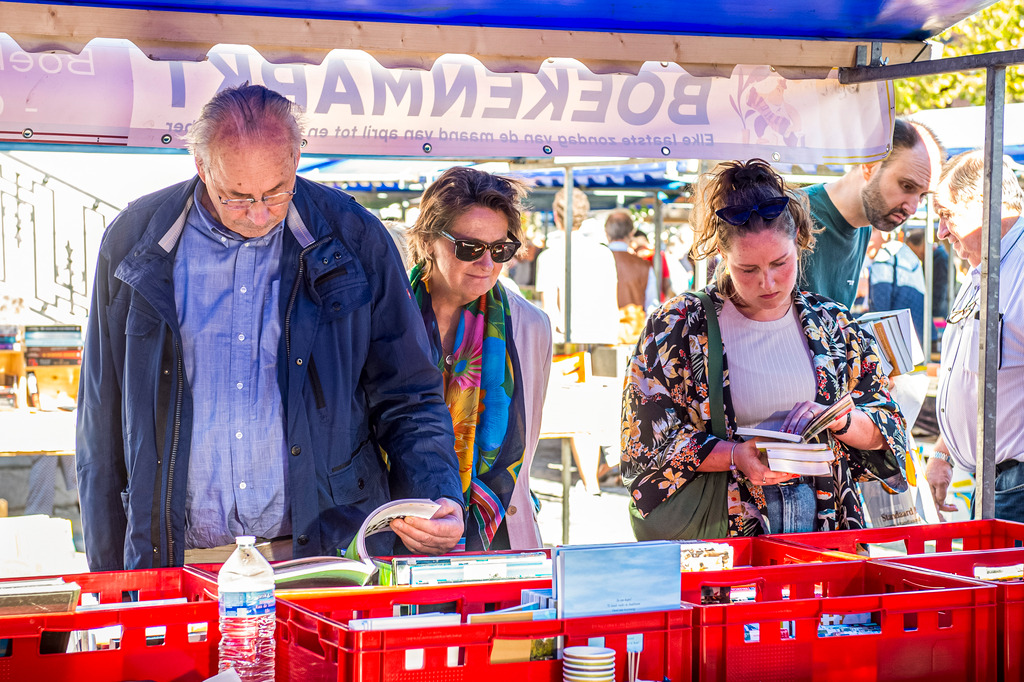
786, 611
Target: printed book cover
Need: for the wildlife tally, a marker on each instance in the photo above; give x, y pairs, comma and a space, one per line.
594, 580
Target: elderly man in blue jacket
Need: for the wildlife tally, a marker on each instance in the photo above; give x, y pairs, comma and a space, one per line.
255, 364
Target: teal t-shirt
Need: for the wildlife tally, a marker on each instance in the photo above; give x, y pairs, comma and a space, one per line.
833, 268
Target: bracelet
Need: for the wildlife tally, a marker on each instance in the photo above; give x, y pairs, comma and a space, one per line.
944, 456
732, 460
846, 427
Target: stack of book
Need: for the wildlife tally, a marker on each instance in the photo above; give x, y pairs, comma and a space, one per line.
445, 570
47, 345
894, 333
34, 596
793, 452
9, 371
804, 459
9, 337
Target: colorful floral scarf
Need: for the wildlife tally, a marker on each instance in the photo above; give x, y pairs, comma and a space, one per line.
486, 403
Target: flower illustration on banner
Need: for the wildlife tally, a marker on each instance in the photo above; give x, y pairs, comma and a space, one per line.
767, 117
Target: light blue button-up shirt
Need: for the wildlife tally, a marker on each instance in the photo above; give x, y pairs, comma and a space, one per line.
226, 289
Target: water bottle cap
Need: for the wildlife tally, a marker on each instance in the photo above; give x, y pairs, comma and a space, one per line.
245, 540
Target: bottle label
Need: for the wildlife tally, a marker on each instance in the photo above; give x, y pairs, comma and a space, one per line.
247, 603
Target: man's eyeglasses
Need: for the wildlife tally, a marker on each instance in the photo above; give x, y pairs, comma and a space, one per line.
966, 309
270, 201
470, 250
769, 209
960, 314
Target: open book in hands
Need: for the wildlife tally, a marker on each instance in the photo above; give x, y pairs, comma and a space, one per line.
357, 566
842, 407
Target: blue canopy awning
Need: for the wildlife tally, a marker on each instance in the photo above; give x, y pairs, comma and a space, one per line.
844, 19
707, 37
624, 176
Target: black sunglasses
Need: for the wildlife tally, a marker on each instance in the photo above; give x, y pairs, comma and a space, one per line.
470, 250
769, 209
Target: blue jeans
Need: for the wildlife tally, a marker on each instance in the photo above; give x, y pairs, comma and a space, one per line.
790, 508
1009, 495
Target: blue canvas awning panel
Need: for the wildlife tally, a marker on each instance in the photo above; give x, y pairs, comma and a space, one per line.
844, 19
707, 37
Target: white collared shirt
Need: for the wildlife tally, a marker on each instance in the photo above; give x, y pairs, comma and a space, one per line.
957, 399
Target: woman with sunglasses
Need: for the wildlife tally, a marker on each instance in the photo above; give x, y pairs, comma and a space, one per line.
788, 355
493, 347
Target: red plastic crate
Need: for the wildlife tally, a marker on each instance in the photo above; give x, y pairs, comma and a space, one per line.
173, 658
932, 626
316, 644
772, 551
939, 537
1009, 598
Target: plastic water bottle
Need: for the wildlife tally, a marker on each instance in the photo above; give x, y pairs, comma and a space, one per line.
247, 613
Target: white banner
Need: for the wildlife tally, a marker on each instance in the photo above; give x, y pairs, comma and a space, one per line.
112, 94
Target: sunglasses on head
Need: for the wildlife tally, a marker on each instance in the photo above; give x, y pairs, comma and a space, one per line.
470, 250
769, 209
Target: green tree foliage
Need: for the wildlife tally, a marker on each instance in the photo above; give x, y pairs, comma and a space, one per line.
999, 27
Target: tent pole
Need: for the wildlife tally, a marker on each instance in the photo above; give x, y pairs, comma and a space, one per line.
659, 223
567, 309
929, 281
991, 235
567, 289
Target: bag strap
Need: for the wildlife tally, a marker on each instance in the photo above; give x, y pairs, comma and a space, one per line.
714, 366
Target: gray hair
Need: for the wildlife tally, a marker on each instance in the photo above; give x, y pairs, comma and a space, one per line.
248, 112
619, 225
964, 175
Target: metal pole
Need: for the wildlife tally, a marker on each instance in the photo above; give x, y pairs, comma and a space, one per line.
569, 186
929, 282
566, 487
971, 62
658, 226
991, 235
567, 289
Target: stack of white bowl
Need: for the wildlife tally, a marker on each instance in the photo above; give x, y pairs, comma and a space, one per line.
588, 664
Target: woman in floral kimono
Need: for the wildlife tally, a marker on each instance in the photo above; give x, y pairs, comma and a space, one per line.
492, 346
789, 354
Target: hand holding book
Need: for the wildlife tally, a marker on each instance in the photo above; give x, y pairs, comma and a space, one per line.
808, 419
437, 534
790, 449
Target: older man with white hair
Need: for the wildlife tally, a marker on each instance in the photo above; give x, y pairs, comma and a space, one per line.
958, 202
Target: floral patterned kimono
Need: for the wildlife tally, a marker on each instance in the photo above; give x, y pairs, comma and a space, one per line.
666, 412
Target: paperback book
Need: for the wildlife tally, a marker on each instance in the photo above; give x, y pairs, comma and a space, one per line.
357, 567
896, 337
841, 407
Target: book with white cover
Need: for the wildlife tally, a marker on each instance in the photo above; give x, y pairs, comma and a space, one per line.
785, 451
792, 447
380, 520
795, 466
357, 567
897, 339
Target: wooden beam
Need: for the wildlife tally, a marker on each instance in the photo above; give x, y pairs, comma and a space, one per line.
189, 36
